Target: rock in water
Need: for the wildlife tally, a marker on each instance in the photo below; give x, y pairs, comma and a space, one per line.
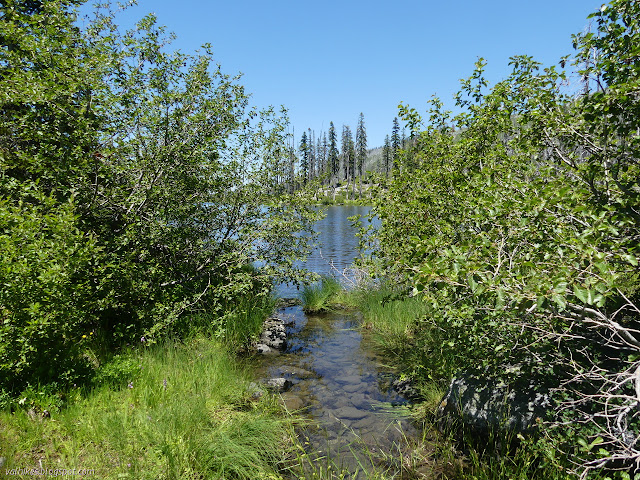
263, 349
278, 384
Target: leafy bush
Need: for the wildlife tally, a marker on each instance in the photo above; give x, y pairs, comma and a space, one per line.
118, 372
522, 235
136, 184
44, 292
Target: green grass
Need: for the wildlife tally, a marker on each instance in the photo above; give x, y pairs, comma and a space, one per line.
182, 412
322, 296
389, 312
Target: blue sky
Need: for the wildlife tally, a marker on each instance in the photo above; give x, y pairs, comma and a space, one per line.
330, 60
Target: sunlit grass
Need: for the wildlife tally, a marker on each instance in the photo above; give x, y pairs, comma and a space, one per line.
321, 297
185, 414
387, 311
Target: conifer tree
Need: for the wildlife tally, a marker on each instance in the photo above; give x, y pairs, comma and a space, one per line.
333, 159
395, 142
348, 159
312, 154
386, 155
361, 147
304, 158
320, 157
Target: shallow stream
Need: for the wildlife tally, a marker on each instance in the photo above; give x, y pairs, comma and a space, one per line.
338, 380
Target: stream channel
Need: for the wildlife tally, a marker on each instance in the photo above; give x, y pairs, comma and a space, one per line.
339, 382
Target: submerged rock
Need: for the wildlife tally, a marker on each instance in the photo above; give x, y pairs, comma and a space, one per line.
350, 413
278, 384
405, 388
288, 302
292, 401
297, 372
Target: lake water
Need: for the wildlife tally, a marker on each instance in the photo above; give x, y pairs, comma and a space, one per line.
338, 246
340, 382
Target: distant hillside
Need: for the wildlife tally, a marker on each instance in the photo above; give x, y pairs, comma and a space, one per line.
373, 163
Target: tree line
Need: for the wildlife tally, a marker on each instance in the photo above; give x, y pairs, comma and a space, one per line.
328, 161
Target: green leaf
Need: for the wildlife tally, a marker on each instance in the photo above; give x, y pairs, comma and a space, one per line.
559, 300
581, 293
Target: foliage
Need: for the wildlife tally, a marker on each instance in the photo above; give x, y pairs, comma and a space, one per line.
522, 234
44, 291
153, 181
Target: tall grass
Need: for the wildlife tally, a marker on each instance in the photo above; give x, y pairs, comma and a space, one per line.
388, 311
183, 412
322, 296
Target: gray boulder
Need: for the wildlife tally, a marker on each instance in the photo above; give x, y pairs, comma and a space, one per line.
479, 405
263, 349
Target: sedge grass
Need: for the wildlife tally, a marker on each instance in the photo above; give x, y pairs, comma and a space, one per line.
186, 414
322, 296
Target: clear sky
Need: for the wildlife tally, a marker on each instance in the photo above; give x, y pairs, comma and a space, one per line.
330, 60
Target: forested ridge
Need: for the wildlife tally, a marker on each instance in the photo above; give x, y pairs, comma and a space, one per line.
324, 162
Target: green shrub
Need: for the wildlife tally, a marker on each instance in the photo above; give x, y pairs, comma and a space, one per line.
44, 290
120, 371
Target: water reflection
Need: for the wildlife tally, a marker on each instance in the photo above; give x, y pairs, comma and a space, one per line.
338, 244
341, 383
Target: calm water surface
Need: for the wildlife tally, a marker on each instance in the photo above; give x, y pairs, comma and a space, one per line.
339, 381
338, 245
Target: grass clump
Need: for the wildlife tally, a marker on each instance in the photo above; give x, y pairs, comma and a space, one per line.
322, 296
171, 411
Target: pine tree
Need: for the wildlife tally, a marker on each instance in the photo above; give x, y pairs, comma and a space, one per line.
347, 154
312, 155
395, 142
292, 169
333, 160
361, 147
304, 158
324, 152
386, 155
